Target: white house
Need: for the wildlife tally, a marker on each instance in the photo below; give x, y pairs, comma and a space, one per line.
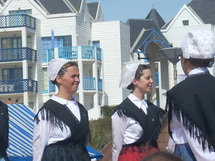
196, 15
32, 32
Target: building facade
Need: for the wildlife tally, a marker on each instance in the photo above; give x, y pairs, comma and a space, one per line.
32, 32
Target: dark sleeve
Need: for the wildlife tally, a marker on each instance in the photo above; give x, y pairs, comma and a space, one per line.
4, 126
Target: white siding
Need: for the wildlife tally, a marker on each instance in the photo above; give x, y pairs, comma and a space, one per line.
125, 48
39, 73
114, 49
83, 27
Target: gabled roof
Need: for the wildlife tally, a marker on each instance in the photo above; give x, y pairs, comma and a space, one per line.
2, 2
147, 37
59, 6
205, 9
155, 16
54, 6
136, 26
76, 4
93, 7
167, 24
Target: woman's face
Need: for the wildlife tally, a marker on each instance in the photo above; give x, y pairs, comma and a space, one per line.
69, 81
144, 84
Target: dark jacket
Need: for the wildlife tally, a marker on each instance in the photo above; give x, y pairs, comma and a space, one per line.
4, 129
194, 98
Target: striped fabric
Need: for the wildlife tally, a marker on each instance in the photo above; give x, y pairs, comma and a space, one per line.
21, 125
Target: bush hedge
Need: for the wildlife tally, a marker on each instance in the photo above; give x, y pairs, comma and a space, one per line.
100, 129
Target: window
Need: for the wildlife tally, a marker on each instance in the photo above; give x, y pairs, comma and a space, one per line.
30, 73
96, 44
15, 73
18, 12
31, 105
14, 42
49, 43
185, 22
12, 73
59, 41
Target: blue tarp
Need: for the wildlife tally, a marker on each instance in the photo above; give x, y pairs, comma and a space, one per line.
21, 124
93, 153
28, 158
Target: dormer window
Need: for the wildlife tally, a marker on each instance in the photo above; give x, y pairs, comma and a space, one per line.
185, 22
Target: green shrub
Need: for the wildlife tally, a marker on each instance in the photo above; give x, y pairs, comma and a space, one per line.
107, 111
100, 130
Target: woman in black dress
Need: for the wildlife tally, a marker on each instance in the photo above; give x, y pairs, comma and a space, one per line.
61, 125
136, 122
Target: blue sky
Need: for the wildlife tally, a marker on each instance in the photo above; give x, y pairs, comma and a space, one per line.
124, 9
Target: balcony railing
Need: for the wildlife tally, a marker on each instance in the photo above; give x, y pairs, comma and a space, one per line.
71, 52
88, 52
21, 20
17, 54
18, 86
89, 83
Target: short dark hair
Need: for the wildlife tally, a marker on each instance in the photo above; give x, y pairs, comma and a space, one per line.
64, 69
201, 62
138, 74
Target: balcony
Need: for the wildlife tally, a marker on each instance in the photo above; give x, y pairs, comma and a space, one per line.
72, 52
21, 20
89, 83
18, 86
87, 52
18, 54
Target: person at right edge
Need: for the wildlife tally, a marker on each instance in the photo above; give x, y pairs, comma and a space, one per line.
191, 103
4, 131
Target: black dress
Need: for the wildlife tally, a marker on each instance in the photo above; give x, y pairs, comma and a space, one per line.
73, 148
4, 130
